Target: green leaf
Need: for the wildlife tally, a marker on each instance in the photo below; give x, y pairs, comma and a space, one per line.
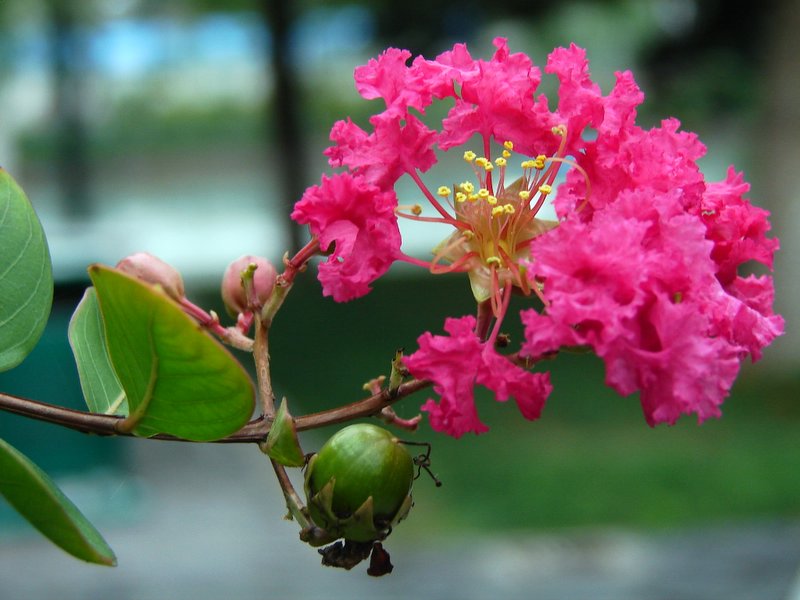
177, 378
282, 444
34, 495
101, 388
26, 276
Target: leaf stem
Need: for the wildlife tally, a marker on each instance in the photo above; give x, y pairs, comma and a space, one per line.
293, 501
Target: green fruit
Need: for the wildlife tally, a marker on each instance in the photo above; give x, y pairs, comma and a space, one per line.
359, 483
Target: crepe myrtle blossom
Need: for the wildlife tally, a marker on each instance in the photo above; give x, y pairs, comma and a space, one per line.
641, 265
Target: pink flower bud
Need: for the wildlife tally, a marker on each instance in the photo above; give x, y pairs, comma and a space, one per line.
233, 292
153, 270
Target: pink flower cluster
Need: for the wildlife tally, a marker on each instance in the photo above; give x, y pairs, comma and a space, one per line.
642, 266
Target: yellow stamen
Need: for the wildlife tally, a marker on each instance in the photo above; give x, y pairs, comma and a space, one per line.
524, 195
494, 260
491, 200
509, 209
545, 189
500, 162
488, 166
467, 187
469, 156
443, 191
460, 196
481, 161
483, 193
506, 154
508, 145
497, 210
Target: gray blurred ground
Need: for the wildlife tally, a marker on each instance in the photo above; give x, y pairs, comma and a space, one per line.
203, 522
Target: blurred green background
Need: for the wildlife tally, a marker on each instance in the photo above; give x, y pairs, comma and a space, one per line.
188, 129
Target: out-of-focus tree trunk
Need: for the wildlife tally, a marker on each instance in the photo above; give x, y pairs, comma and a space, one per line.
778, 170
288, 142
71, 136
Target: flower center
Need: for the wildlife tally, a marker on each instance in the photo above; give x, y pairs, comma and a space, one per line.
495, 220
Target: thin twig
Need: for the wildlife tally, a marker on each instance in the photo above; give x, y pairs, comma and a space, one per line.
253, 432
263, 376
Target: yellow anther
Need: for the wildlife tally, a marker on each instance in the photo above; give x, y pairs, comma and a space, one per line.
472, 197
416, 209
443, 191
508, 145
497, 210
506, 154
481, 161
560, 130
494, 260
469, 156
488, 166
483, 193
509, 209
545, 189
500, 162
528, 164
538, 163
460, 196
467, 187
524, 195
492, 200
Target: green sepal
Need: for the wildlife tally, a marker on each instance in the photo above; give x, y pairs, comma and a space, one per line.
282, 444
358, 527
403, 511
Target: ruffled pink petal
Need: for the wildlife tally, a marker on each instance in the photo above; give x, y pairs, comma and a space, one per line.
389, 77
507, 380
457, 362
397, 145
358, 219
452, 363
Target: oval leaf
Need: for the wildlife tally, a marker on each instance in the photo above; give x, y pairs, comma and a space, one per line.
101, 388
282, 444
177, 378
34, 495
26, 275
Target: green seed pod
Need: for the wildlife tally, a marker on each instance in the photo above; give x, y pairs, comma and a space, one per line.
358, 486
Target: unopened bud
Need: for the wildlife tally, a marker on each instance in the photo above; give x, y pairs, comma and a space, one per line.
263, 282
155, 271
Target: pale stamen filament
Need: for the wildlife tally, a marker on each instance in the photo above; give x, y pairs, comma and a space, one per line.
413, 216
505, 301
436, 268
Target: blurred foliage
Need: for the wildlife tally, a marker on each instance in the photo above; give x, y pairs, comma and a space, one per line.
709, 70
148, 130
699, 61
